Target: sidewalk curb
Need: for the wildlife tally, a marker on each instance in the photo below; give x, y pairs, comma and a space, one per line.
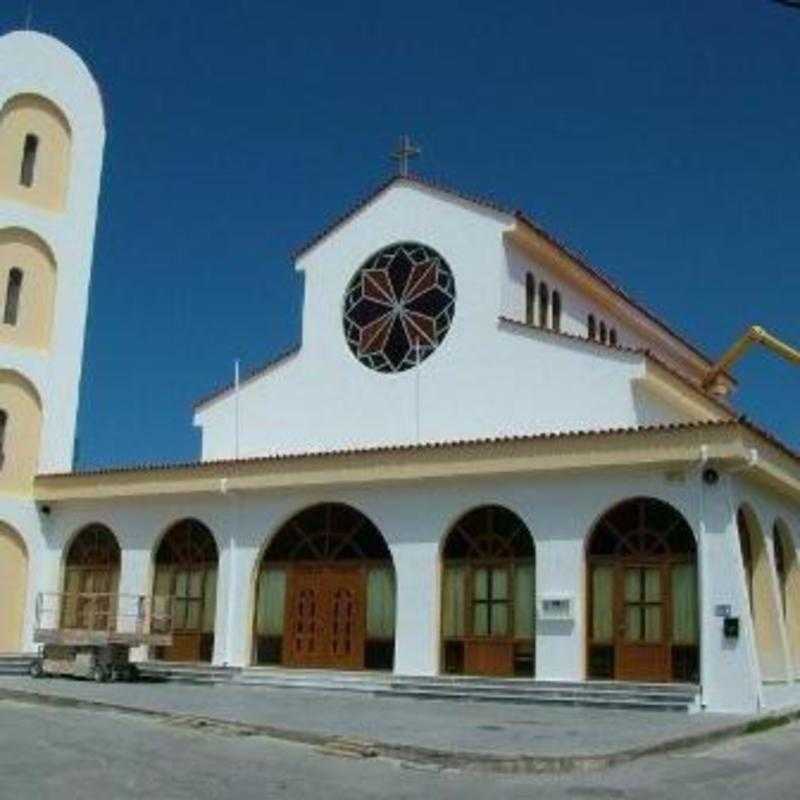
510, 764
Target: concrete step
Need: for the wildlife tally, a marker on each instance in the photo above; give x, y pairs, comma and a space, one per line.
547, 692
608, 694
527, 684
15, 663
187, 673
617, 701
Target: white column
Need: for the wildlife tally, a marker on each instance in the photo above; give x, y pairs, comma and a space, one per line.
418, 598
135, 577
223, 654
728, 667
44, 575
560, 642
240, 617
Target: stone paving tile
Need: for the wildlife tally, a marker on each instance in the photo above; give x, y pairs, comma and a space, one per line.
493, 728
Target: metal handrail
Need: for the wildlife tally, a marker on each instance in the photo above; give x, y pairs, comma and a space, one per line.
100, 611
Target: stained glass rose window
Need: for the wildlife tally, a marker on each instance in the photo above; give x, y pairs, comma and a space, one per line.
399, 307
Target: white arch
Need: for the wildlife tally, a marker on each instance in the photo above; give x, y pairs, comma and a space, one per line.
762, 591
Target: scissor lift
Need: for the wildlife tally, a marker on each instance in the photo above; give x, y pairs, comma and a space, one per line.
90, 635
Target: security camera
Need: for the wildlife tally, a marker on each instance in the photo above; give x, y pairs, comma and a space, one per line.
710, 476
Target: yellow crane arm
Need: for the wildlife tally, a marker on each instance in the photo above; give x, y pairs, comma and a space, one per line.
754, 335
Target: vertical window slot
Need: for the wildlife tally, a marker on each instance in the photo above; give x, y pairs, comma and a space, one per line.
28, 166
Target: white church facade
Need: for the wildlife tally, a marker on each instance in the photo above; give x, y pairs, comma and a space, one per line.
483, 459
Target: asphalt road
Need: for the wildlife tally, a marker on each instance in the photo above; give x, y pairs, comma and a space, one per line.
49, 752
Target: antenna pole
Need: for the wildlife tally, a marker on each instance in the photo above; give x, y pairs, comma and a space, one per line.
236, 384
417, 393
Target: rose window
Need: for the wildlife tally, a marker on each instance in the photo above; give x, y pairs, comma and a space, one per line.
398, 307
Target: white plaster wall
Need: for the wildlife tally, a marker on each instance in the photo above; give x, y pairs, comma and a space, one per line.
38, 64
487, 379
414, 518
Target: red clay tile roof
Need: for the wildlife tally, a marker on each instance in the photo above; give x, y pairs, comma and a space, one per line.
423, 446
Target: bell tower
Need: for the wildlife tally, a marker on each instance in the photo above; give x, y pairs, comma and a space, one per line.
52, 136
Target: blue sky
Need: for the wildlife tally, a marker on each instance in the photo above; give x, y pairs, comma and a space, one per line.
660, 139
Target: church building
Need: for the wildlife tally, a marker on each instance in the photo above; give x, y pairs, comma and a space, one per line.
483, 459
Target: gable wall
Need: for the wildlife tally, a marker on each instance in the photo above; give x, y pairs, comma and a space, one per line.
483, 381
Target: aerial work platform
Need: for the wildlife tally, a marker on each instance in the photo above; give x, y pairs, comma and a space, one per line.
90, 635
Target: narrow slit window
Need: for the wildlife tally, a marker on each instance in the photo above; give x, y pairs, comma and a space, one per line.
603, 333
3, 425
28, 167
544, 305
612, 337
556, 311
592, 327
530, 298
13, 290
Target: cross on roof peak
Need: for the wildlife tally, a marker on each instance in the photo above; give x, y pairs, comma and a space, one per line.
405, 151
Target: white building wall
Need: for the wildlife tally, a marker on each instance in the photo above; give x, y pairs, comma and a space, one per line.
487, 379
414, 518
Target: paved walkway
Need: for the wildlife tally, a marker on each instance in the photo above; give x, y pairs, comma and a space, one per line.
485, 729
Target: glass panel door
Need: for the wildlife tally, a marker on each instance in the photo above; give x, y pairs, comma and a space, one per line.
642, 649
643, 605
490, 600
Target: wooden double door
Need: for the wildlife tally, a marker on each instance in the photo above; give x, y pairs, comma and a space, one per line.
325, 617
632, 618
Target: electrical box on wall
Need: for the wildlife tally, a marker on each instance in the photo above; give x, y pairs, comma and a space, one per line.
730, 627
556, 607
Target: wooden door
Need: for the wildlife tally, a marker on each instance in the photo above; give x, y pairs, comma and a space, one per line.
188, 601
490, 649
642, 643
494, 658
185, 647
325, 617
